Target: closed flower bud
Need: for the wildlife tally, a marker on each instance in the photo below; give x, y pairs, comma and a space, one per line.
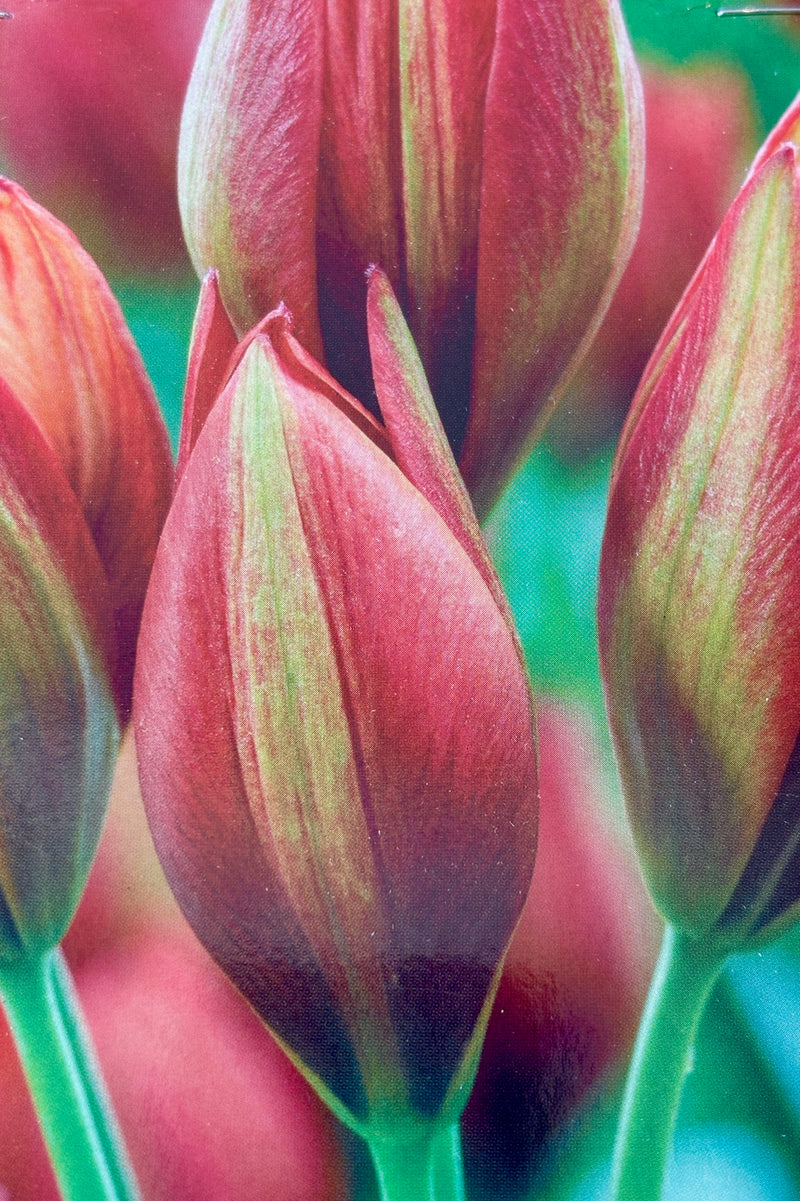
698, 613
487, 156
84, 482
334, 728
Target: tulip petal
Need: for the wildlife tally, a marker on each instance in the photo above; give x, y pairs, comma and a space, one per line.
69, 358
563, 162
339, 774
698, 616
445, 55
212, 345
58, 725
248, 154
419, 442
359, 176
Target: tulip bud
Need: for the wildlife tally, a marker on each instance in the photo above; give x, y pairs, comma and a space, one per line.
487, 157
334, 734
698, 614
66, 353
84, 481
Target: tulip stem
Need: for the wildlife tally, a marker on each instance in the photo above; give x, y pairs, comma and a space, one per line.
681, 985
430, 1170
69, 1095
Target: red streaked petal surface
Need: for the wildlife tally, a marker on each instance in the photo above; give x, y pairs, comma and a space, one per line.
787, 130
213, 343
66, 353
247, 163
58, 723
698, 614
419, 443
360, 186
445, 55
563, 161
335, 746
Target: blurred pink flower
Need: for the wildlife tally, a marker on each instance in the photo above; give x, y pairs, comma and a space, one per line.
90, 95
210, 1107
700, 139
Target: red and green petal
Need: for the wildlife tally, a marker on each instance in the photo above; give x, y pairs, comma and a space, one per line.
341, 783
58, 720
68, 356
248, 156
445, 52
562, 172
212, 346
419, 442
698, 615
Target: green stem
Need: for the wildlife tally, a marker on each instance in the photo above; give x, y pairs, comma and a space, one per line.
429, 1170
682, 982
74, 1111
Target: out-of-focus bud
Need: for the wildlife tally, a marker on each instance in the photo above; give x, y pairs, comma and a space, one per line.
91, 95
68, 357
209, 1105
334, 728
576, 972
700, 140
487, 156
698, 613
85, 484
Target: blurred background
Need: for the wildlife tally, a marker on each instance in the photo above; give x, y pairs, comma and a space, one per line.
90, 96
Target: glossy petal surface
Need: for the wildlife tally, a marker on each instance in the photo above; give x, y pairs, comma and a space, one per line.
560, 198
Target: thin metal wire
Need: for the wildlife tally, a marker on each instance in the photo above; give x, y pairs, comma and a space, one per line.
757, 10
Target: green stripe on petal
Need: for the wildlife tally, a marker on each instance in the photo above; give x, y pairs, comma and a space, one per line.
58, 740
292, 723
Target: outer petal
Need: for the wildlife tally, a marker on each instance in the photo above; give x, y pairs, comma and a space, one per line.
336, 749
698, 614
58, 726
248, 155
67, 354
212, 346
418, 439
563, 159
787, 130
360, 182
445, 55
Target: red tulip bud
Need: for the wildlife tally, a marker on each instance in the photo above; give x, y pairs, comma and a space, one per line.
334, 729
487, 156
84, 484
698, 613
